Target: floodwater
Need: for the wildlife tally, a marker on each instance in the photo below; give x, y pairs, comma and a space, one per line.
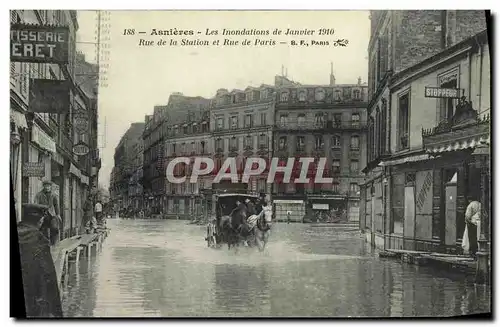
164, 269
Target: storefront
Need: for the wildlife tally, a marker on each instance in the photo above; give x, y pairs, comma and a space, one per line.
40, 150
328, 207
296, 208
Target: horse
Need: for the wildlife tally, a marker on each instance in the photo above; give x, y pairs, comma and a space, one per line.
263, 228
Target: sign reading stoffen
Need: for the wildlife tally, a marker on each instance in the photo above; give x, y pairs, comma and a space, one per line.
437, 92
39, 43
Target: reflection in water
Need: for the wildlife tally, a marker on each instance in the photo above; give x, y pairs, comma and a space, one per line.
164, 269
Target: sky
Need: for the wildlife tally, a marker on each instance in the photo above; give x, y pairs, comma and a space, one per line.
140, 77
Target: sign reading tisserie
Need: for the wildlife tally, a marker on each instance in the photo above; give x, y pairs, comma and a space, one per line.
438, 92
39, 43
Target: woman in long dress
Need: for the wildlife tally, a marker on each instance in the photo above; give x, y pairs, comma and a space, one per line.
472, 227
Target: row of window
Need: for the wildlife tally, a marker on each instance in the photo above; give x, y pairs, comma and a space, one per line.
319, 118
248, 121
254, 95
318, 142
320, 94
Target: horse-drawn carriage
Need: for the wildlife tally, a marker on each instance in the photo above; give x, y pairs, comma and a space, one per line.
224, 229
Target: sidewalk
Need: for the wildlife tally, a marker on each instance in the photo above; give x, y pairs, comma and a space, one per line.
462, 263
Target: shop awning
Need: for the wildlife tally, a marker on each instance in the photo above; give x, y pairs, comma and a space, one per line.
459, 145
409, 159
75, 171
85, 179
18, 118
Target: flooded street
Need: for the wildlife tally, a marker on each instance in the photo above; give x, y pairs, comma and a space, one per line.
164, 269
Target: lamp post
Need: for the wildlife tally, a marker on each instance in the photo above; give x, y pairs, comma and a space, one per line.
482, 155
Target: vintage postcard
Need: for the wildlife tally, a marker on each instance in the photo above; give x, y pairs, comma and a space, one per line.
250, 164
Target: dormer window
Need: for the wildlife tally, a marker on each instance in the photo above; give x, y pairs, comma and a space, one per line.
302, 95
284, 96
320, 95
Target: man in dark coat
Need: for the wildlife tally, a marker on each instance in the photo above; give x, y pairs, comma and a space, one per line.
258, 206
238, 214
47, 198
41, 290
250, 208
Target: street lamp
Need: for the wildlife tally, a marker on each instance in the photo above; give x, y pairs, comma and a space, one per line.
482, 155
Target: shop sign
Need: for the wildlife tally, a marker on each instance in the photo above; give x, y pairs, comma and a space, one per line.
81, 123
289, 201
34, 169
49, 96
81, 149
39, 43
438, 92
321, 206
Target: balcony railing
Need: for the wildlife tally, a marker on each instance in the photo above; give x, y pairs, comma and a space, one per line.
320, 125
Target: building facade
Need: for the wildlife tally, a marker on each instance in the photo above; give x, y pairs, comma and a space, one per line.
135, 189
321, 122
187, 135
404, 202
47, 139
125, 168
241, 126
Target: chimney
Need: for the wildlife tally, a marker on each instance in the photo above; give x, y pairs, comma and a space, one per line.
332, 77
282, 70
359, 80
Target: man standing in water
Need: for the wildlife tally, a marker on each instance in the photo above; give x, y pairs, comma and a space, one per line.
473, 221
41, 290
49, 199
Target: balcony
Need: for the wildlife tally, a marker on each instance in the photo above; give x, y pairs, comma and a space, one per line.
323, 126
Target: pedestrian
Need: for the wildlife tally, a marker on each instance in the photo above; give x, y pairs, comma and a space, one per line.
41, 290
472, 226
49, 199
288, 219
98, 212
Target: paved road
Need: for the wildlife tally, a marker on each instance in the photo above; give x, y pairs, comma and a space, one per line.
164, 269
